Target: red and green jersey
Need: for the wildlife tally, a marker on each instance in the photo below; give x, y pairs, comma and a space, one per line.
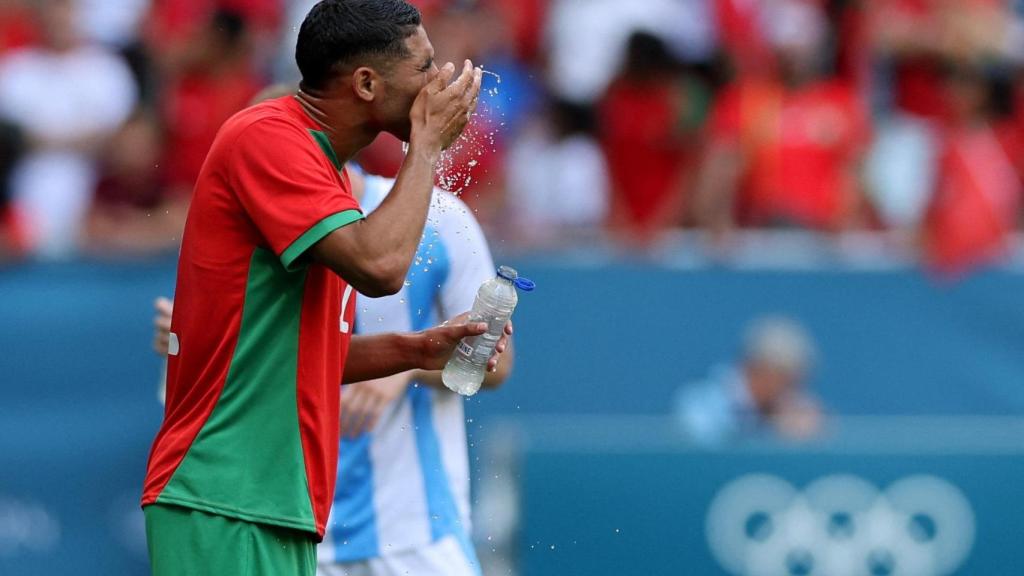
259, 332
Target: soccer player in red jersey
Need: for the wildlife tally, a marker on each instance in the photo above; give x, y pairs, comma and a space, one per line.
242, 472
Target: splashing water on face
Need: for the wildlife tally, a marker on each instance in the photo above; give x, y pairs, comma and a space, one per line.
457, 179
473, 143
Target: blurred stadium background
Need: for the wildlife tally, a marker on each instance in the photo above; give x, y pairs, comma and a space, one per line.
778, 327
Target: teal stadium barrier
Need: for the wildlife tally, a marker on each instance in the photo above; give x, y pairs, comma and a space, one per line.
79, 409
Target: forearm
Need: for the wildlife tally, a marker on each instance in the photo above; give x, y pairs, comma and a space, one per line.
380, 355
397, 225
374, 254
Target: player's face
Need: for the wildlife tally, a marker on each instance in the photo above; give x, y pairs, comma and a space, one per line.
403, 83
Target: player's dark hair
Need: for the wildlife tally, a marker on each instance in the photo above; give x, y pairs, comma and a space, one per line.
338, 33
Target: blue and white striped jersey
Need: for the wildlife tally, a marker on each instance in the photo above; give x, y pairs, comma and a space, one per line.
405, 484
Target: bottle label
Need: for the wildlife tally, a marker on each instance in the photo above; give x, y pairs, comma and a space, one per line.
465, 349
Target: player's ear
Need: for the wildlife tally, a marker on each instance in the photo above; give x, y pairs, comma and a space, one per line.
365, 83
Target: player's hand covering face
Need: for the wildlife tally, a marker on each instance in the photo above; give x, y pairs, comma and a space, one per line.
439, 342
442, 110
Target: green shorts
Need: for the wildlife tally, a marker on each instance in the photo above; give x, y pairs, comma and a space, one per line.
186, 542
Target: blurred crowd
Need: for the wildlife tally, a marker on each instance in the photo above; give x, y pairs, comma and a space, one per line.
600, 118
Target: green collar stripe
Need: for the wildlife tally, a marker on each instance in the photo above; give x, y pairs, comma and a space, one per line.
316, 233
325, 145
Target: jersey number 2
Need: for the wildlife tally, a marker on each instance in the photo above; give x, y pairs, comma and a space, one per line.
345, 326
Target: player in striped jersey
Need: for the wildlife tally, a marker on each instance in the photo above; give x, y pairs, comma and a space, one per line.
401, 503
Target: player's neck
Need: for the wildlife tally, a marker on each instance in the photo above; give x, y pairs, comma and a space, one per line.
344, 126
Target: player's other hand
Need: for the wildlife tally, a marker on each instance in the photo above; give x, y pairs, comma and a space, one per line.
442, 110
439, 342
362, 403
162, 325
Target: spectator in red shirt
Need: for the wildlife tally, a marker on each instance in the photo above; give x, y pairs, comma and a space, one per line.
216, 80
976, 204
650, 117
785, 146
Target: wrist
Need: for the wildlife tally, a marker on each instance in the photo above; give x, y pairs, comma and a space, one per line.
424, 150
412, 350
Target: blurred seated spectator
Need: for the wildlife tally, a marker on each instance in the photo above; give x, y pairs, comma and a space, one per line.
215, 80
130, 214
976, 204
650, 118
785, 142
68, 98
763, 395
557, 181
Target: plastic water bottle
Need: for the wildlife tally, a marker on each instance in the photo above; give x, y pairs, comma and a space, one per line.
494, 304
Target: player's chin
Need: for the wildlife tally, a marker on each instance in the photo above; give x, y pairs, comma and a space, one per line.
402, 131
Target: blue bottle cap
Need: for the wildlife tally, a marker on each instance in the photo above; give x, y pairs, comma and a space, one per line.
524, 284
510, 274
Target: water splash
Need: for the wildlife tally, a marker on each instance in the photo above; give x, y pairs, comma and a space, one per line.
475, 141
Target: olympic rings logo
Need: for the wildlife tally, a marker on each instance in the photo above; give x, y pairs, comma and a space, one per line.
840, 525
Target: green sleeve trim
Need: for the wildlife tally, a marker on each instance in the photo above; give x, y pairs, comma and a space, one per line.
316, 233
